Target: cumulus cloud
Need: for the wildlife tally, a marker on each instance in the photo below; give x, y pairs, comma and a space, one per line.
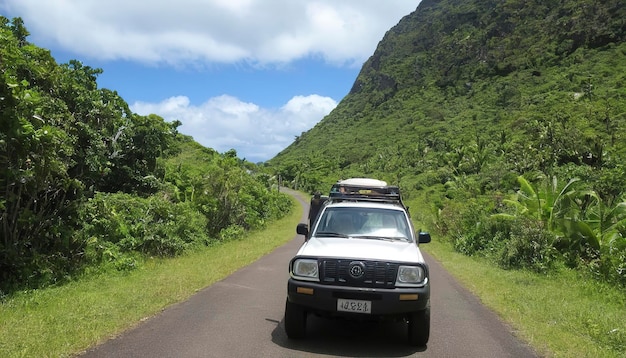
225, 122
195, 32
208, 34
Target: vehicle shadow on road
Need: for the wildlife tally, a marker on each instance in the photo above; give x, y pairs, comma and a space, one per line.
338, 337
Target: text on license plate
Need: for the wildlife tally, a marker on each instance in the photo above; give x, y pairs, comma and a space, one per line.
358, 306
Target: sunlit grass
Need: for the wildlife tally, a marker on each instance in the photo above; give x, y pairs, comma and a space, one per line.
561, 314
64, 320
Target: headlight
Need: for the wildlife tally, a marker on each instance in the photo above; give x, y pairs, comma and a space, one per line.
305, 269
410, 275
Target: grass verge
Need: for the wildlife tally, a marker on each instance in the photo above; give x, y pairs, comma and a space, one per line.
561, 314
63, 321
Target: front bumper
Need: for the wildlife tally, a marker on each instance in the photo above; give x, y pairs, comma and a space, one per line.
322, 299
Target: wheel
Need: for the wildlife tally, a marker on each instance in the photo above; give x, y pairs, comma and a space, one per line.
295, 321
419, 327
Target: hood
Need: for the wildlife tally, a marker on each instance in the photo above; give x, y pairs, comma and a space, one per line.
366, 249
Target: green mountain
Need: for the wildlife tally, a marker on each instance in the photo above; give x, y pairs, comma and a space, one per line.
503, 124
481, 89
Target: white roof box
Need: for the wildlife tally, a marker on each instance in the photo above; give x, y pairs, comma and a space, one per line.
368, 182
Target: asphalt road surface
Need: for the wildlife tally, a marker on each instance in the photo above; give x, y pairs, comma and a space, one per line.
242, 316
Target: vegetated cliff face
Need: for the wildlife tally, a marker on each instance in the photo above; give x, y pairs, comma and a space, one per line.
447, 42
496, 74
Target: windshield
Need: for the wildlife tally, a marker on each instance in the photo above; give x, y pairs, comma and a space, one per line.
371, 223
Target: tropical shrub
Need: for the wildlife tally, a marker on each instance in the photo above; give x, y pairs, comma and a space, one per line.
233, 232
152, 226
464, 223
569, 220
530, 246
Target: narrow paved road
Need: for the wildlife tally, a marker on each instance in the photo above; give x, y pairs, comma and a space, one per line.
242, 316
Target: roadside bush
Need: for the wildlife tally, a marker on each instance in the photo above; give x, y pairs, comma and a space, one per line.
513, 242
530, 246
277, 206
462, 222
233, 232
487, 239
259, 205
152, 226
611, 265
104, 255
167, 229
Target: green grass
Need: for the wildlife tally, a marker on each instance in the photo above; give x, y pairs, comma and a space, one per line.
62, 321
561, 314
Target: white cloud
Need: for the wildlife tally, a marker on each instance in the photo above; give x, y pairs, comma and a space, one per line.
210, 33
225, 122
196, 32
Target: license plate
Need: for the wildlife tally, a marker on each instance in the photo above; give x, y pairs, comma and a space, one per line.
357, 306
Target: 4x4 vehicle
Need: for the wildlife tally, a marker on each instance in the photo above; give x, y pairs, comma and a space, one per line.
360, 260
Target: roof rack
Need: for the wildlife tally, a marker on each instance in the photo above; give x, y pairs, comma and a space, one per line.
356, 189
365, 189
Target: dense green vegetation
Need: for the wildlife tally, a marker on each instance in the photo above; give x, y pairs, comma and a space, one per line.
86, 185
64, 320
505, 120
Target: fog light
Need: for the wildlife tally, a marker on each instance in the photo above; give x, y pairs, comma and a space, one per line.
408, 297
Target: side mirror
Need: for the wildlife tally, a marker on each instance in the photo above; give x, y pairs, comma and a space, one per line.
423, 237
302, 229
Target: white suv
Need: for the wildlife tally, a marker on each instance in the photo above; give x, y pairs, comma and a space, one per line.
360, 260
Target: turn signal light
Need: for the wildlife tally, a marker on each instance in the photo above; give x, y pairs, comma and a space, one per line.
408, 297
304, 290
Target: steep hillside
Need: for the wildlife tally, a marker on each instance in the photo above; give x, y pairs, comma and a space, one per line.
503, 123
467, 87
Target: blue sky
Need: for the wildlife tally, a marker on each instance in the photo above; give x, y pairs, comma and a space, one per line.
248, 75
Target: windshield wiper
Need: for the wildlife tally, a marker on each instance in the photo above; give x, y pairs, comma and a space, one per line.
386, 238
330, 234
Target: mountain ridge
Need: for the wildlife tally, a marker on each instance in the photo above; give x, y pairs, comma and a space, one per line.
491, 74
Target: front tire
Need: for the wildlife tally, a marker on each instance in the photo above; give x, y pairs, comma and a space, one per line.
295, 321
419, 327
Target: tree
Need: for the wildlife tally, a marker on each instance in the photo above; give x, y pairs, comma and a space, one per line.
37, 196
19, 31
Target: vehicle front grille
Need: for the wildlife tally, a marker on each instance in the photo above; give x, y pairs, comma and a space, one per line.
377, 274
